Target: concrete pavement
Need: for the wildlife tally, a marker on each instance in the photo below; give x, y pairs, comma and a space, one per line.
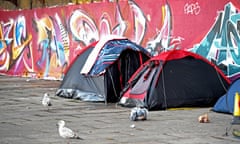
23, 120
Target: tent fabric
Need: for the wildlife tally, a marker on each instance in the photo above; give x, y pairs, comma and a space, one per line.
110, 53
225, 103
98, 47
176, 78
115, 63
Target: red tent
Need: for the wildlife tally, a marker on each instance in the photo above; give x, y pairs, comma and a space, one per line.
175, 78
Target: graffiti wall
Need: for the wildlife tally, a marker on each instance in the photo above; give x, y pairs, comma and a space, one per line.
43, 42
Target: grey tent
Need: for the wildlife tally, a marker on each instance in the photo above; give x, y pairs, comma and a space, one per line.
101, 70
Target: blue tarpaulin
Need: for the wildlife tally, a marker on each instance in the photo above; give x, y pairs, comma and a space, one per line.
225, 103
111, 52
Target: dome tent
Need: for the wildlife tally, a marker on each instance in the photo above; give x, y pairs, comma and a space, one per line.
102, 69
172, 79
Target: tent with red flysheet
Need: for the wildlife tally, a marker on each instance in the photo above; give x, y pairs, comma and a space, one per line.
172, 79
101, 70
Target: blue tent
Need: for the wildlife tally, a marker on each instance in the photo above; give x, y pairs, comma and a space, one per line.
225, 103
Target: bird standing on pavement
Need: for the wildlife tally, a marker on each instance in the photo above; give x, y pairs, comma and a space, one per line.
46, 101
65, 132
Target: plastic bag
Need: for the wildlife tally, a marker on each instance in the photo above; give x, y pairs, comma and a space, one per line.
138, 113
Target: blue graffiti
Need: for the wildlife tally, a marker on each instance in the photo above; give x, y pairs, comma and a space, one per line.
20, 30
46, 54
51, 44
222, 43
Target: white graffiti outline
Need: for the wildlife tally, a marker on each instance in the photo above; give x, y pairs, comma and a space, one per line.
193, 9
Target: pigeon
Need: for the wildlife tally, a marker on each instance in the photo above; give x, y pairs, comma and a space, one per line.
46, 101
65, 132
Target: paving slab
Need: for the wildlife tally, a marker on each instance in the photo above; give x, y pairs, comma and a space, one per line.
23, 120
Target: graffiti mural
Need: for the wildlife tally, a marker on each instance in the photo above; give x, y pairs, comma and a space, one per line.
222, 43
43, 42
15, 46
53, 43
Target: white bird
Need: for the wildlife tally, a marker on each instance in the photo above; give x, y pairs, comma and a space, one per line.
46, 101
65, 132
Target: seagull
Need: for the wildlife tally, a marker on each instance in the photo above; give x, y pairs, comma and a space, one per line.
46, 101
65, 132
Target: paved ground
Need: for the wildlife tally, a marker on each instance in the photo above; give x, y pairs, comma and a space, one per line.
23, 120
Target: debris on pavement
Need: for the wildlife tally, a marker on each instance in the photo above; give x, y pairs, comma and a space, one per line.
138, 113
236, 133
203, 118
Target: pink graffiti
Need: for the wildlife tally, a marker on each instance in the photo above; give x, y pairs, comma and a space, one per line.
164, 41
5, 39
15, 40
53, 44
105, 27
85, 30
139, 22
83, 27
121, 26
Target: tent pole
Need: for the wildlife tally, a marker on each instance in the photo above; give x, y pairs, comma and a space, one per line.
164, 90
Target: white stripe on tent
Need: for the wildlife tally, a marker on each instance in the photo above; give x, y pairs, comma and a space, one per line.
93, 55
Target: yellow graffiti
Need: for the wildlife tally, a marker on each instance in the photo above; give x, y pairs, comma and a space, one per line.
44, 25
163, 14
4, 61
1, 33
17, 50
